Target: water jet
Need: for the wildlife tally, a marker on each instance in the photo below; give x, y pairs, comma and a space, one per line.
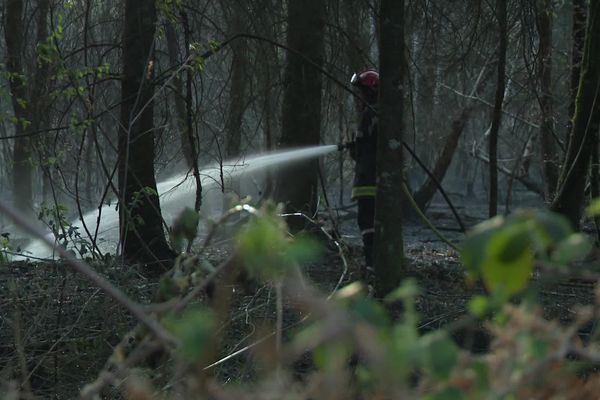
249, 174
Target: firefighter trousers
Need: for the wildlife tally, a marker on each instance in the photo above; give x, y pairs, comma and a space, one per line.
366, 220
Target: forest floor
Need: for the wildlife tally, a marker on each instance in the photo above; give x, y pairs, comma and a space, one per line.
58, 330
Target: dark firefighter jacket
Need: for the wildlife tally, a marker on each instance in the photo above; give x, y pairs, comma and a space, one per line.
363, 151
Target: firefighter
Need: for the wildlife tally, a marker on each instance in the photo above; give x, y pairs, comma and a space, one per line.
363, 152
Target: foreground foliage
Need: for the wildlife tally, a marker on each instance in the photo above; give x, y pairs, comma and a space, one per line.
349, 345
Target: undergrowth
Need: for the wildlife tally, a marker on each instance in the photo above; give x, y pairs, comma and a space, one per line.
255, 326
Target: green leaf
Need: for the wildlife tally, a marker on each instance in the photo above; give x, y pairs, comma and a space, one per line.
195, 329
594, 208
573, 248
483, 375
479, 306
441, 354
447, 394
303, 249
474, 247
548, 228
185, 227
332, 355
263, 244
408, 290
371, 312
308, 335
268, 250
517, 242
404, 351
538, 347
505, 268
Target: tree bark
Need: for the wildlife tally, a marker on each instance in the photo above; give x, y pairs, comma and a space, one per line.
549, 154
595, 181
525, 180
389, 245
586, 120
238, 83
301, 119
497, 113
184, 102
579, 18
357, 43
22, 167
142, 234
178, 93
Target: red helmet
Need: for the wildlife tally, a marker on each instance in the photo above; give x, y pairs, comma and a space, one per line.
368, 79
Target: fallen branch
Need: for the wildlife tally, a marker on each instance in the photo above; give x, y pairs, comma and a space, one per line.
426, 192
525, 181
487, 103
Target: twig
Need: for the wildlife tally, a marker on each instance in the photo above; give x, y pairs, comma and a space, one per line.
487, 103
529, 184
337, 244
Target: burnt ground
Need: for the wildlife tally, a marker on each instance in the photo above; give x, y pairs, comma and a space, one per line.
60, 330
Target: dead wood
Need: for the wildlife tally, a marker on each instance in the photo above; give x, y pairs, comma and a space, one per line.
524, 180
426, 192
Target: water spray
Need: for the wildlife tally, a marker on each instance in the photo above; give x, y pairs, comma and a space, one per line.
179, 192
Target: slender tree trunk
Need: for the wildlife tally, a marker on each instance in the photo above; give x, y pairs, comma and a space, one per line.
22, 167
179, 93
192, 138
142, 234
586, 120
238, 82
389, 245
38, 109
549, 155
579, 17
357, 47
301, 120
266, 78
497, 113
595, 180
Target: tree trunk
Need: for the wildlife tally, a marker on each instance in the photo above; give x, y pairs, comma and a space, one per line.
238, 82
426, 192
179, 94
389, 245
586, 120
301, 120
184, 103
549, 155
497, 113
595, 181
357, 43
142, 235
579, 17
22, 167
38, 109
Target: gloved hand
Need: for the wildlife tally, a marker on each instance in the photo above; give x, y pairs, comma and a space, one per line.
345, 146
